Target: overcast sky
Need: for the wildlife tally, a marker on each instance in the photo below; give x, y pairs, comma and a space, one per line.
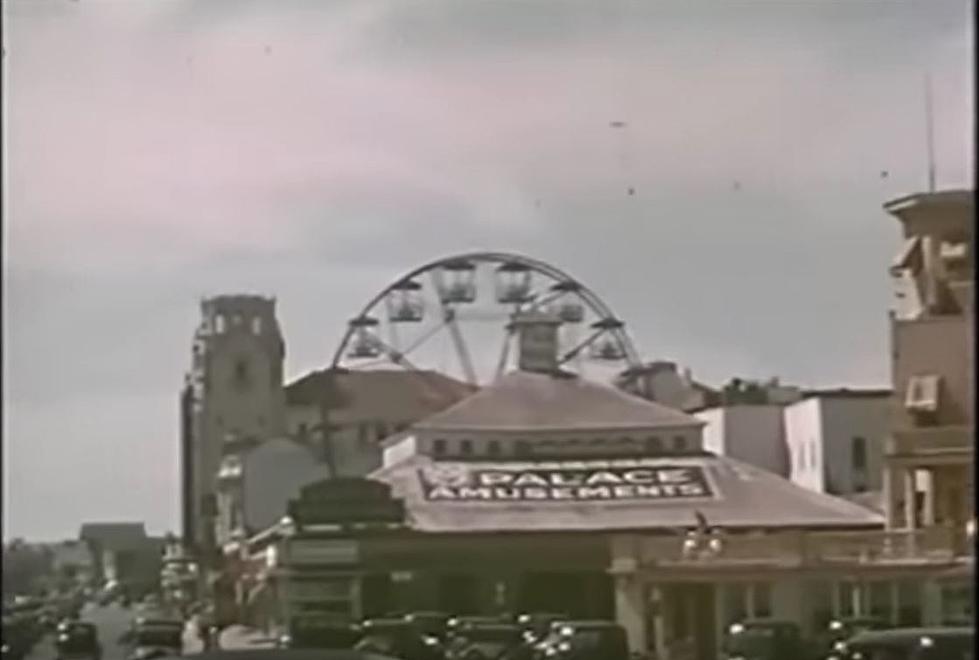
157, 151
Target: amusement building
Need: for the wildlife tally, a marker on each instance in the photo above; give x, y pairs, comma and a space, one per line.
554, 471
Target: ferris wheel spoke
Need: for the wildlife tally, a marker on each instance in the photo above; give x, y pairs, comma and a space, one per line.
425, 337
574, 352
505, 352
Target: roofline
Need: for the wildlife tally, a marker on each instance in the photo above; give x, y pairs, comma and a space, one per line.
845, 393
694, 423
955, 195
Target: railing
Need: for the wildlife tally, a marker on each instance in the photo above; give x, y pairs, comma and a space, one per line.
930, 439
788, 549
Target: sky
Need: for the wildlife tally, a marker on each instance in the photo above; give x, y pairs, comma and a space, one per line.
159, 151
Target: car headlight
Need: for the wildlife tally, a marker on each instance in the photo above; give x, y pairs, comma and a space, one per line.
839, 646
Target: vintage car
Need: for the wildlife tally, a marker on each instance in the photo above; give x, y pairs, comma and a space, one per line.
766, 639
908, 644
584, 640
78, 640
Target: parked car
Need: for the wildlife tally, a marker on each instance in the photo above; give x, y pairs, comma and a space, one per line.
78, 640
397, 638
585, 640
321, 633
767, 639
489, 641
909, 644
840, 630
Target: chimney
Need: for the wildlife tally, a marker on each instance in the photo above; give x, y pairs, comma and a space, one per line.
537, 336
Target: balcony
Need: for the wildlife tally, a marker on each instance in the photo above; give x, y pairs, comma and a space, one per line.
932, 442
922, 547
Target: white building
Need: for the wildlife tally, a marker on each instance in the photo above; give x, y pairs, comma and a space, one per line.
749, 433
835, 440
255, 485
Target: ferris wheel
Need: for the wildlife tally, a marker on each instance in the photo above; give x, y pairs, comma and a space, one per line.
456, 316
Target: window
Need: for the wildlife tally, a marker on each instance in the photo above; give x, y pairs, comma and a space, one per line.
493, 448
522, 448
219, 323
256, 325
859, 454
438, 447
466, 447
679, 443
761, 600
859, 460
653, 445
242, 374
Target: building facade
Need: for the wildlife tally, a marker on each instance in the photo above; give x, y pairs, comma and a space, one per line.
835, 440
930, 455
236, 395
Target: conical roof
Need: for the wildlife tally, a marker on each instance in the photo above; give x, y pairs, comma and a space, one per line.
526, 401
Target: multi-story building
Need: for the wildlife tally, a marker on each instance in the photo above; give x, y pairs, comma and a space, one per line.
835, 438
929, 458
235, 397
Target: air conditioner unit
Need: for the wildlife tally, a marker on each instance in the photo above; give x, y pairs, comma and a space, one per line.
922, 394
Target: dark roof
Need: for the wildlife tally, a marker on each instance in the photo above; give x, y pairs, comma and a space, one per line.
846, 393
360, 394
525, 401
743, 496
115, 536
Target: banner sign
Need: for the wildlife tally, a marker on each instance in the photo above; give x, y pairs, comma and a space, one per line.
660, 482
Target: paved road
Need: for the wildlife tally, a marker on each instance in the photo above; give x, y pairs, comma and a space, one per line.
112, 622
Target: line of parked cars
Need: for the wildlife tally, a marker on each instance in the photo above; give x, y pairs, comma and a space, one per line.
861, 638
440, 636
26, 620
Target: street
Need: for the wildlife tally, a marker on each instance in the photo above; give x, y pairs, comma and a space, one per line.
112, 622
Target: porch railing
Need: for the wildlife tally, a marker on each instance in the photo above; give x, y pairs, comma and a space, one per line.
922, 546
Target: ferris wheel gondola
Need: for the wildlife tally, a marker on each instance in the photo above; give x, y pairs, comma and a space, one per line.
456, 315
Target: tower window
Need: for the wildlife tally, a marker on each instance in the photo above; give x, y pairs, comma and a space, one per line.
219, 323
257, 325
242, 374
